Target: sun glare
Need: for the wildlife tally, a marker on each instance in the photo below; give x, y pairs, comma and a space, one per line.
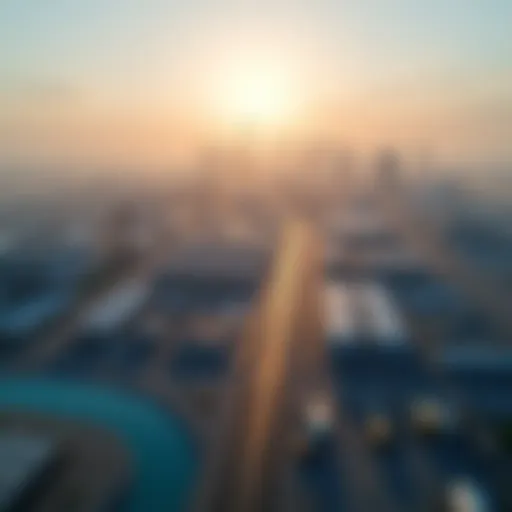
256, 96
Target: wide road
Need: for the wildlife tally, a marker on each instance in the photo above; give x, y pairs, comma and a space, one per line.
251, 456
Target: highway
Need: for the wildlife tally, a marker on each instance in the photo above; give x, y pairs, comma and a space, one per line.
473, 427
250, 461
280, 359
426, 239
406, 475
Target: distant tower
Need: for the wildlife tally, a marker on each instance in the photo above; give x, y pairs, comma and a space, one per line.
388, 170
344, 174
210, 201
117, 233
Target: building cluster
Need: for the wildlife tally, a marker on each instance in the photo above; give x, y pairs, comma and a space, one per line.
117, 403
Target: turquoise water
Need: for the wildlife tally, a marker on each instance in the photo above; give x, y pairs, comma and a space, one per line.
162, 451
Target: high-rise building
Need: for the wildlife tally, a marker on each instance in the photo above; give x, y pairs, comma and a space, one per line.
117, 233
388, 170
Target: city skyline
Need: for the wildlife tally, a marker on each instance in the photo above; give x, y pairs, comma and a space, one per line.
142, 84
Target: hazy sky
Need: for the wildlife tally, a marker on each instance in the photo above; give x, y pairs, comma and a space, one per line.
98, 82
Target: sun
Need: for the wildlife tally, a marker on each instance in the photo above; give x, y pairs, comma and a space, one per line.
257, 96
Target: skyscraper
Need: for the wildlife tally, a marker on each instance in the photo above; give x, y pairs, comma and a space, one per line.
388, 170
